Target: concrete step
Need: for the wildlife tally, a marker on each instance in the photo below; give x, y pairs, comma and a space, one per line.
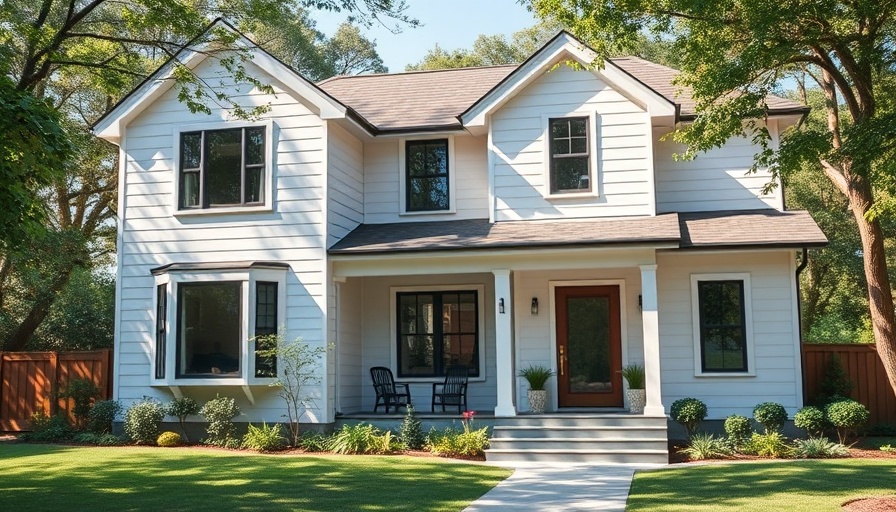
612, 444
594, 456
574, 431
582, 420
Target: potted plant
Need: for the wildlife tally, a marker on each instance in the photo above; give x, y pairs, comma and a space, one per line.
536, 376
637, 397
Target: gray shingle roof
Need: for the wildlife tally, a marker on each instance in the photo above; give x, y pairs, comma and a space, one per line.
687, 230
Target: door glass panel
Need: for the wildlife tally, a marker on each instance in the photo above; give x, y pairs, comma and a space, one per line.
588, 320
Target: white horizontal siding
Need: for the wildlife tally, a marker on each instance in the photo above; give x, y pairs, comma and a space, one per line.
623, 150
775, 337
345, 183
153, 236
382, 188
716, 180
352, 373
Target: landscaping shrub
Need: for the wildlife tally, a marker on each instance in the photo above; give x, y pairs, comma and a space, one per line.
180, 408
818, 448
142, 420
48, 429
363, 438
97, 439
82, 393
314, 442
706, 446
811, 419
770, 444
450, 442
264, 438
411, 431
771, 416
219, 414
102, 415
689, 412
738, 430
169, 439
835, 385
846, 416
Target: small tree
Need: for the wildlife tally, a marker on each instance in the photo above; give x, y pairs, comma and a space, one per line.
82, 392
836, 384
298, 363
689, 412
180, 408
411, 431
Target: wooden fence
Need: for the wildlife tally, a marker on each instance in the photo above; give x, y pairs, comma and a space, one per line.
30, 380
863, 365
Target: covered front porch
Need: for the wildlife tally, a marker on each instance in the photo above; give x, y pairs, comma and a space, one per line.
498, 311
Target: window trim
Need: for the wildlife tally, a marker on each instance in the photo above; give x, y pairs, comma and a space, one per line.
403, 177
269, 166
593, 162
393, 322
248, 278
748, 324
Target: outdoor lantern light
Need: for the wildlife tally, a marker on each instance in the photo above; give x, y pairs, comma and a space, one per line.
501, 305
534, 305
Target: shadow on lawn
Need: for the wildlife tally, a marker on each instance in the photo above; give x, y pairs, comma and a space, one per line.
184, 479
732, 484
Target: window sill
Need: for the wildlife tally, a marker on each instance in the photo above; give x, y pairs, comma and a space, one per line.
428, 212
716, 375
227, 210
175, 385
572, 196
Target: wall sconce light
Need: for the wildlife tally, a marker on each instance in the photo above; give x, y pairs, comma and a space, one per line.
640, 303
501, 305
534, 305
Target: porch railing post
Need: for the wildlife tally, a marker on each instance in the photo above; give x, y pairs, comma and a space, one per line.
504, 344
650, 323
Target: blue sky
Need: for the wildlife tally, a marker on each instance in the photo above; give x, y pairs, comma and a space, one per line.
451, 23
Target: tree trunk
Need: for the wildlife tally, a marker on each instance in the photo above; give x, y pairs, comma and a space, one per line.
39, 311
880, 296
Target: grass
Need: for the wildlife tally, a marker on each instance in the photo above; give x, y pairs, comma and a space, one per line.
795, 486
59, 478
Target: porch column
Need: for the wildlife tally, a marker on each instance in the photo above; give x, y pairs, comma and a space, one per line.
504, 344
650, 323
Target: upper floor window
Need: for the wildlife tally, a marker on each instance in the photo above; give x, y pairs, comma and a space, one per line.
426, 175
570, 169
222, 168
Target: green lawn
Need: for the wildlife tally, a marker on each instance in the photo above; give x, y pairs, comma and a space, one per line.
795, 486
46, 477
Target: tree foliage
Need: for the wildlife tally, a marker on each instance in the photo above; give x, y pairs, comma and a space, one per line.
733, 53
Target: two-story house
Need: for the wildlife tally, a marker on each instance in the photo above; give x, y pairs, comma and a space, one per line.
494, 217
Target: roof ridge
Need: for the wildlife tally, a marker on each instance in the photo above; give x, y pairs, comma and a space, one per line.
417, 72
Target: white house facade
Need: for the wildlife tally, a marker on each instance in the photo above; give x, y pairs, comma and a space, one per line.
492, 217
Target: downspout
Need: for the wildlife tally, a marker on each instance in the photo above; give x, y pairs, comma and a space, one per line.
799, 317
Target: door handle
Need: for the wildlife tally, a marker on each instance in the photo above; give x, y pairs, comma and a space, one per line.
562, 360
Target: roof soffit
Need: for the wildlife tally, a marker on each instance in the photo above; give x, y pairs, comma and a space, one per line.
565, 47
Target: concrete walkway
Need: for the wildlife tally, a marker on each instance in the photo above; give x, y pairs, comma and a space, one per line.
556, 487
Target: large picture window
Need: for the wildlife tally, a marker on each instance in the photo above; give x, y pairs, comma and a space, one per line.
222, 168
723, 327
208, 332
570, 168
437, 330
426, 175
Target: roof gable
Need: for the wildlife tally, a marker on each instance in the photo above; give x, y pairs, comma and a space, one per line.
110, 126
565, 47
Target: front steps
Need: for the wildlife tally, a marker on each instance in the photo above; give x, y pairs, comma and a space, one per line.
616, 438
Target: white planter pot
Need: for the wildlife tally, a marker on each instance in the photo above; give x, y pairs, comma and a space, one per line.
637, 398
537, 399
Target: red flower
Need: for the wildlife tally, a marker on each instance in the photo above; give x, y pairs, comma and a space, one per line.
468, 415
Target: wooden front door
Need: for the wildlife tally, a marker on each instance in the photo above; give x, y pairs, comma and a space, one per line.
589, 346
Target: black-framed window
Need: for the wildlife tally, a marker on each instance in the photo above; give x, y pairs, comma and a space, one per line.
426, 175
265, 324
437, 330
570, 155
209, 341
161, 331
723, 326
222, 168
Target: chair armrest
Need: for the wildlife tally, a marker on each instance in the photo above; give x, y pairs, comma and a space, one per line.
404, 385
435, 386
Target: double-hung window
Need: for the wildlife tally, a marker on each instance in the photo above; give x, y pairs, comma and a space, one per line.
221, 168
427, 186
436, 330
722, 326
570, 155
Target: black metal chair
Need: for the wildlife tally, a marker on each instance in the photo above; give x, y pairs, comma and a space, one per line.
452, 392
388, 393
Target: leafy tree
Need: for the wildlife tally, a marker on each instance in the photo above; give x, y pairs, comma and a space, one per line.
745, 47
350, 53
